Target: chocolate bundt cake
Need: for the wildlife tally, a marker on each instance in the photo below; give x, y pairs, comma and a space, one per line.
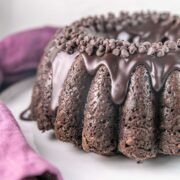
111, 84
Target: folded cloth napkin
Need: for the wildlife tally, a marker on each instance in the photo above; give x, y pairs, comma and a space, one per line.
17, 160
20, 54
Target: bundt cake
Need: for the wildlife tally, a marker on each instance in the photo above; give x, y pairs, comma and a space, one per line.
111, 84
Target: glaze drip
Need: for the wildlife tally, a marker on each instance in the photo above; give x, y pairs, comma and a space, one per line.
60, 67
120, 70
144, 39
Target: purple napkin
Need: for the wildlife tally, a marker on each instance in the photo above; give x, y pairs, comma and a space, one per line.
19, 57
21, 52
17, 160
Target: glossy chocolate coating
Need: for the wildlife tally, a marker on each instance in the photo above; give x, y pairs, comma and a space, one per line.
149, 41
120, 70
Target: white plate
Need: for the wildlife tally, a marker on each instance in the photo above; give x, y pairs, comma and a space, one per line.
75, 164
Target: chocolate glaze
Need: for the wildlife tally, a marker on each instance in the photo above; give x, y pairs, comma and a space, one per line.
60, 67
93, 41
120, 70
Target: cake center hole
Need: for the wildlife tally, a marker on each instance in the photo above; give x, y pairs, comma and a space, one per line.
164, 38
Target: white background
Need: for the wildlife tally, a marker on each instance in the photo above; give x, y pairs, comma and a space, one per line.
17, 15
